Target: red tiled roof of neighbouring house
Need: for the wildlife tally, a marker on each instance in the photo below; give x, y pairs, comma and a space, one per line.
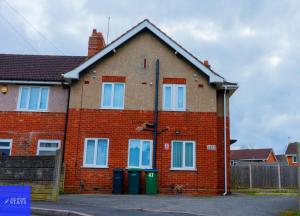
250, 154
36, 67
291, 149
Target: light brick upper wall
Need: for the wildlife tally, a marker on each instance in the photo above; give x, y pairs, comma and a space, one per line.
128, 61
57, 101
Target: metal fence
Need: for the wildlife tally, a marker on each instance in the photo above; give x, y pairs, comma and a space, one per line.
264, 176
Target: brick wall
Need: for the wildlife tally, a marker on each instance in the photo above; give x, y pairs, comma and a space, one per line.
26, 128
204, 128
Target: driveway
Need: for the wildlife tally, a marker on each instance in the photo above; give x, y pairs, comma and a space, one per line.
234, 205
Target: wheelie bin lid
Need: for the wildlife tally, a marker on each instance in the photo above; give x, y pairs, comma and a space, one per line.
118, 169
134, 169
151, 170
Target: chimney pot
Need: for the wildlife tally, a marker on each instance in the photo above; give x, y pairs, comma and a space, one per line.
96, 43
206, 63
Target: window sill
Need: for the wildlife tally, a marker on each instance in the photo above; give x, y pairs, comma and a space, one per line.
111, 108
183, 169
32, 110
173, 110
95, 167
143, 168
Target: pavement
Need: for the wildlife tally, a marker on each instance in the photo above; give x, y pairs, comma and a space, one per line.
146, 205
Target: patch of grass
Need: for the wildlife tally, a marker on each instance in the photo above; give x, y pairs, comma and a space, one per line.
290, 213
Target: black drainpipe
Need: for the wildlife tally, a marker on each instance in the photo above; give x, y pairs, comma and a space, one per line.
66, 126
155, 113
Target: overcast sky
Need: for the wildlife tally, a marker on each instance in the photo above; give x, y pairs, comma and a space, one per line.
254, 43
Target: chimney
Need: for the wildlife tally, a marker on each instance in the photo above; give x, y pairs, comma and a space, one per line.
96, 43
206, 64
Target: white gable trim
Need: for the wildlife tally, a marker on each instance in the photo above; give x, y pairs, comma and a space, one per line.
74, 74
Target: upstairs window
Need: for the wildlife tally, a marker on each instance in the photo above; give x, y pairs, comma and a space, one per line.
33, 98
48, 147
5, 147
295, 159
113, 95
174, 97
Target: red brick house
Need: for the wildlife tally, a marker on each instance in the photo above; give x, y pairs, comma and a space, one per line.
140, 101
291, 154
252, 155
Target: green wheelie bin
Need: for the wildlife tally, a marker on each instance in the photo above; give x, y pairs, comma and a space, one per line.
151, 181
134, 176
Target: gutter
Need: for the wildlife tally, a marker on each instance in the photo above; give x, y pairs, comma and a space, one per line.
34, 82
225, 144
155, 134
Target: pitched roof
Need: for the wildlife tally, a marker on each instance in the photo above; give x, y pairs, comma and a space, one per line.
291, 149
146, 24
250, 154
36, 67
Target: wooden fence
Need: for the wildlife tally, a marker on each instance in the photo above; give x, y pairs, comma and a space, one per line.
263, 176
41, 173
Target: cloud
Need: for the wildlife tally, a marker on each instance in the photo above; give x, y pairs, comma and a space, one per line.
203, 31
274, 60
248, 32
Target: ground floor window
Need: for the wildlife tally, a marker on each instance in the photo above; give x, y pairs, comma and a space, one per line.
5, 147
183, 155
140, 153
48, 147
96, 152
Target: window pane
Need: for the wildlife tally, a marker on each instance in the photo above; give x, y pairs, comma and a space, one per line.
24, 98
4, 144
107, 94
189, 154
34, 97
177, 154
45, 152
146, 153
167, 97
134, 153
89, 157
101, 152
4, 152
118, 95
180, 96
48, 145
44, 98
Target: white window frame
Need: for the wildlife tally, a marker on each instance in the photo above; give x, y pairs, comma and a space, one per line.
39, 148
10, 145
174, 97
27, 102
94, 165
140, 159
294, 159
183, 155
112, 93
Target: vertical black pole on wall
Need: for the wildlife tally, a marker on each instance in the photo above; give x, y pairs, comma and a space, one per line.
156, 113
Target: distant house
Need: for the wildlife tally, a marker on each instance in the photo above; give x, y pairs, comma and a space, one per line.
281, 158
252, 155
291, 154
